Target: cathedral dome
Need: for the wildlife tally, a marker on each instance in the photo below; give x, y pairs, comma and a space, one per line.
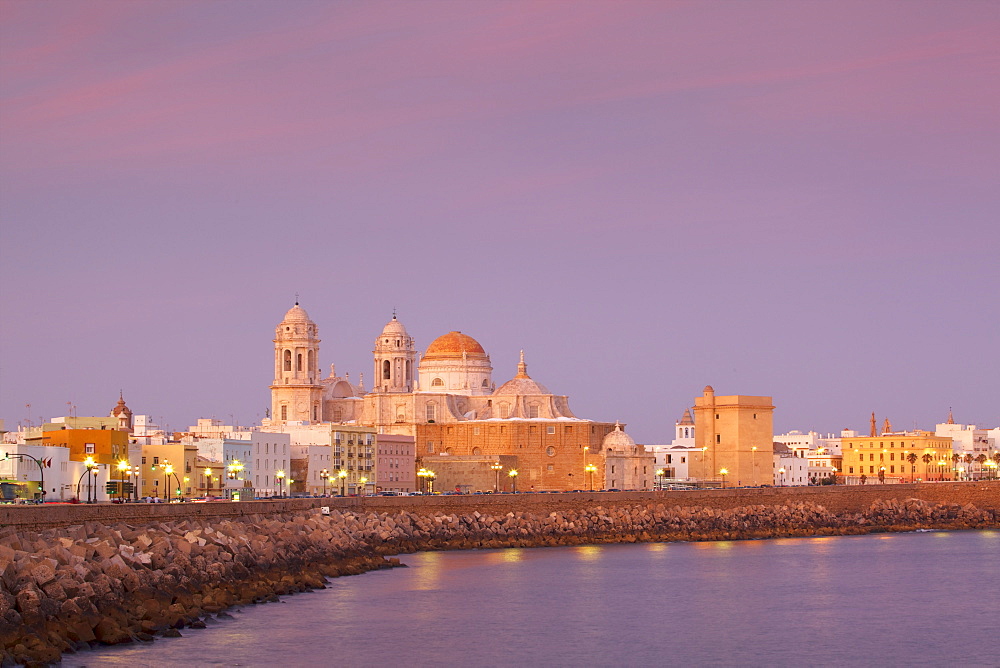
296, 314
618, 439
453, 344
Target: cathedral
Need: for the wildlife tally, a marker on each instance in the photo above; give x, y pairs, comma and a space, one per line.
446, 399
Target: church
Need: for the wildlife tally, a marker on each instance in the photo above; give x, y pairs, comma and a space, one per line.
447, 400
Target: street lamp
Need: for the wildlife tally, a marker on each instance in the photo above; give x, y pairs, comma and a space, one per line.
754, 456
659, 478
91, 468
422, 474
513, 478
782, 472
724, 473
168, 470
324, 475
123, 466
280, 475
208, 480
497, 467
342, 474
362, 481
591, 469
430, 480
881, 474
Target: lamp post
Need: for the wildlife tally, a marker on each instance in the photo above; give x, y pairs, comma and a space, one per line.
362, 482
659, 479
782, 472
724, 473
280, 475
881, 474
324, 475
754, 456
123, 466
208, 480
168, 470
91, 468
497, 467
342, 474
591, 469
834, 475
422, 474
430, 480
513, 479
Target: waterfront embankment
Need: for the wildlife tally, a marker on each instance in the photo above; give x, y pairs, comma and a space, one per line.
114, 574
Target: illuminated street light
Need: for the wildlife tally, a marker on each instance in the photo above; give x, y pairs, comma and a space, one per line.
513, 478
280, 475
724, 473
591, 469
497, 467
782, 472
324, 475
342, 474
362, 481
659, 478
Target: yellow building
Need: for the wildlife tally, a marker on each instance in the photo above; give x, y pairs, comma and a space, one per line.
167, 467
888, 455
735, 436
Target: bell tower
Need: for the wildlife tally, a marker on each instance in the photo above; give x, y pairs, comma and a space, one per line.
395, 359
296, 394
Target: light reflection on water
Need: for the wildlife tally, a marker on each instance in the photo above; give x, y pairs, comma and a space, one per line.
857, 600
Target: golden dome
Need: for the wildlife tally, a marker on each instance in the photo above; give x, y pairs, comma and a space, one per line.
454, 344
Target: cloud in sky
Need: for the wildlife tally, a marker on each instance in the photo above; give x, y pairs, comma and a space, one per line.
530, 168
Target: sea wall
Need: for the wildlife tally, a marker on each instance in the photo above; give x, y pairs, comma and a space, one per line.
70, 586
837, 498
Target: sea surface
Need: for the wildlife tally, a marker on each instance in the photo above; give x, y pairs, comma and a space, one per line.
913, 599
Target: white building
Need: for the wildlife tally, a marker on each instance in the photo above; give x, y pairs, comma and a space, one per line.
791, 467
270, 456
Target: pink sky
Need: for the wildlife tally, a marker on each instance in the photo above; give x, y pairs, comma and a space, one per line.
791, 199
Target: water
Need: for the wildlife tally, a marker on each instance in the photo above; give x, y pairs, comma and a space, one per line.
920, 599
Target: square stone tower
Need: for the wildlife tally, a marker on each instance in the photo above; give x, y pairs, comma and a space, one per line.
734, 433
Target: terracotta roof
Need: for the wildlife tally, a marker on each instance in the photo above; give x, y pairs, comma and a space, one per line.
453, 344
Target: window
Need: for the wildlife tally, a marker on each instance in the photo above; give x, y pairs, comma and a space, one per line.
431, 413
143, 460
284, 412
430, 447
718, 438
486, 382
533, 411
437, 382
550, 451
298, 362
551, 429
288, 360
89, 448
386, 370
504, 410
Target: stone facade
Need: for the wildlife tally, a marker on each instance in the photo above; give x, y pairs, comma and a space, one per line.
734, 433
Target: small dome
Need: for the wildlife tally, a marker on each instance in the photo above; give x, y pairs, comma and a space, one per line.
709, 389
296, 314
454, 344
120, 408
521, 383
394, 328
618, 439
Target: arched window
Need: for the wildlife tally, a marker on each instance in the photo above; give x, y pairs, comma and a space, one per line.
477, 451
437, 382
288, 360
386, 370
486, 382
312, 361
298, 362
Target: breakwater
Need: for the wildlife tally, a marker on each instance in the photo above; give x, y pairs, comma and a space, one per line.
70, 586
